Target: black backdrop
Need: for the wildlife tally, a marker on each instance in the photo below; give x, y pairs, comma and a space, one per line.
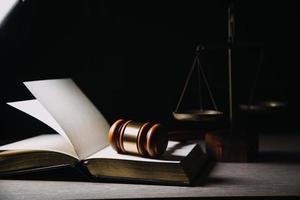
131, 58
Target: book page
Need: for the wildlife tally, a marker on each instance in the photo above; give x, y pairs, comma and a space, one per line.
36, 110
175, 152
84, 125
47, 142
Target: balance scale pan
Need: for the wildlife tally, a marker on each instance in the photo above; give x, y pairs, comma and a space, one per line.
265, 106
197, 115
273, 104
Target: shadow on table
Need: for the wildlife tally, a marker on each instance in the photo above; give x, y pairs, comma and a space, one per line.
215, 181
279, 156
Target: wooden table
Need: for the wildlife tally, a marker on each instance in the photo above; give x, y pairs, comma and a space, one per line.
275, 176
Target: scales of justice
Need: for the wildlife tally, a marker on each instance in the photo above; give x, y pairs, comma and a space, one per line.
229, 144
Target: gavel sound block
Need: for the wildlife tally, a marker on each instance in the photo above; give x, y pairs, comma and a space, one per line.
144, 139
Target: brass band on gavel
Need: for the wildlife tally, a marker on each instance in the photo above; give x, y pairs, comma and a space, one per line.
145, 139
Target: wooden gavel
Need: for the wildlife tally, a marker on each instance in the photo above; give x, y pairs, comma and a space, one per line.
144, 139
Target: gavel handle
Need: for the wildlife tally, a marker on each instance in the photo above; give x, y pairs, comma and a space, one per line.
184, 135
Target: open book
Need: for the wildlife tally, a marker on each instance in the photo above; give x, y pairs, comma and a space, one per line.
82, 142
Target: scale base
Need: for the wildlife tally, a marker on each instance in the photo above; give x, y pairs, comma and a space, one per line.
225, 146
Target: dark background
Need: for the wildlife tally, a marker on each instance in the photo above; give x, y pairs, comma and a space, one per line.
131, 58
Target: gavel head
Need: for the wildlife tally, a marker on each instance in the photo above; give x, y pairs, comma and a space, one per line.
144, 139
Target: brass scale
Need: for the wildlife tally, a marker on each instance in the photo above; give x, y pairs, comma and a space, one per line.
204, 114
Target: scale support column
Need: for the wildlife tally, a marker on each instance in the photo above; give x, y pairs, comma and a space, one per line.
230, 42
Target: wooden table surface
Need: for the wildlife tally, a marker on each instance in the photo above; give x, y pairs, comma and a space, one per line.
276, 175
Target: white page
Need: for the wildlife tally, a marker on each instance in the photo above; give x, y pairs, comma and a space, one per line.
84, 125
49, 142
36, 110
174, 153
